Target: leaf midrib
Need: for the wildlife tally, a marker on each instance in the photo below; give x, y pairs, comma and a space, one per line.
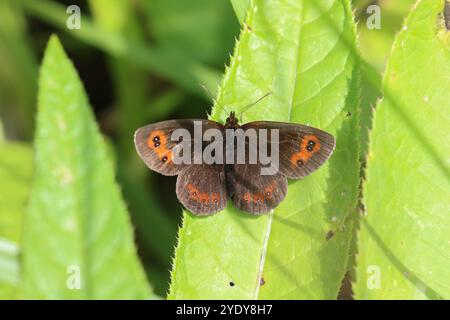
290, 106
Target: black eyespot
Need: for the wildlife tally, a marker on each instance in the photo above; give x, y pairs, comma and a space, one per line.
311, 143
164, 159
231, 284
309, 148
267, 194
157, 144
156, 139
299, 163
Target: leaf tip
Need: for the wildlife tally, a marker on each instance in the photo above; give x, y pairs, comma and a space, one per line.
54, 43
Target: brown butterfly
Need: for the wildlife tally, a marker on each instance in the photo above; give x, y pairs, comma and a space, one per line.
204, 188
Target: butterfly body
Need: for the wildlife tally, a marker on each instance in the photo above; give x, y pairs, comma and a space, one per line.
204, 188
232, 122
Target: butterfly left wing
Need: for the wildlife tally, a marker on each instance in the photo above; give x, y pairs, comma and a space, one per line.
302, 149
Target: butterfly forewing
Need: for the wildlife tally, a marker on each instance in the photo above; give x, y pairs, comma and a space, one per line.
154, 143
302, 149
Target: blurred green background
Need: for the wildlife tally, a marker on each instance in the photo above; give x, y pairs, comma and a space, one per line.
143, 61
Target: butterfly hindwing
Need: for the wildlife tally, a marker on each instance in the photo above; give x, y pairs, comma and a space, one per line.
201, 188
154, 143
253, 192
302, 149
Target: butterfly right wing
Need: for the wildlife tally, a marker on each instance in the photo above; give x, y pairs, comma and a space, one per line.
302, 149
253, 192
154, 143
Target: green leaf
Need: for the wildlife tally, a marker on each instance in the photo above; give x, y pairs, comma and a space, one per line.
404, 239
9, 269
302, 51
240, 8
15, 178
76, 223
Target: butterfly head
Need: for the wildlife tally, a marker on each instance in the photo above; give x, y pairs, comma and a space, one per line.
232, 122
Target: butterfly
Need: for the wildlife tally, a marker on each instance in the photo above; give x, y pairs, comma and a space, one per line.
204, 188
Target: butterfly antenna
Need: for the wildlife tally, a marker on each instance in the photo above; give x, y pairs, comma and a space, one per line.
212, 98
253, 103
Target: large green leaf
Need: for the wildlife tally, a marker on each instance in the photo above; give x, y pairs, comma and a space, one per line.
76, 223
302, 51
404, 241
15, 178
